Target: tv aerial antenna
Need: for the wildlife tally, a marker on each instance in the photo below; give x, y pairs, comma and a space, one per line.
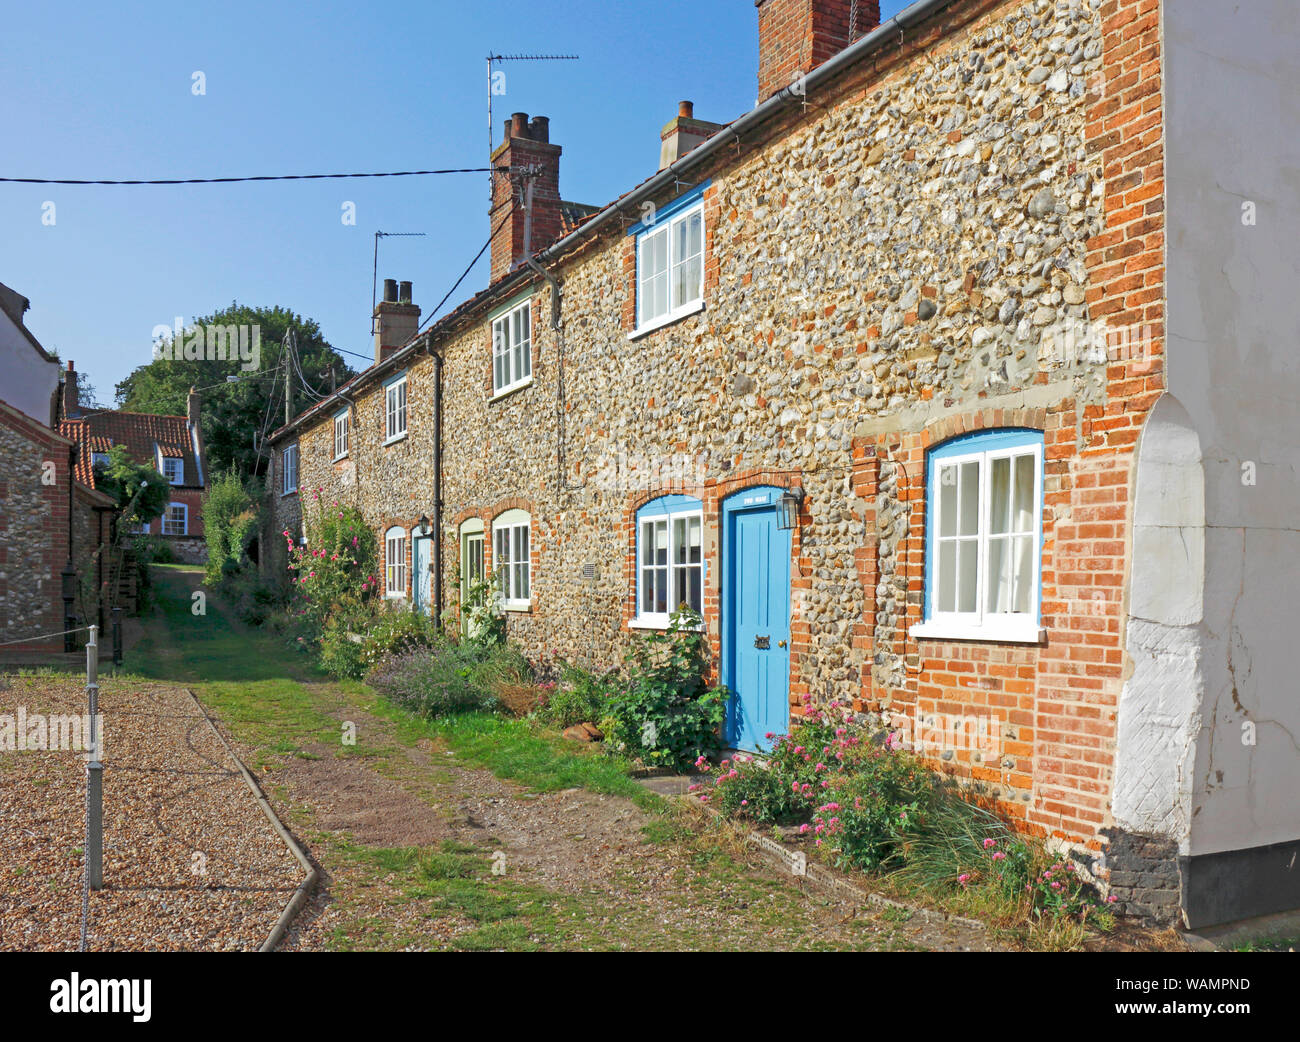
492, 60
374, 277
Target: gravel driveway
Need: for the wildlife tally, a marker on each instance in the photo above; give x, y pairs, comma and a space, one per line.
190, 861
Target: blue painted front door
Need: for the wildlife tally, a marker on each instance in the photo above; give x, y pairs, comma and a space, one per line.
420, 574
756, 619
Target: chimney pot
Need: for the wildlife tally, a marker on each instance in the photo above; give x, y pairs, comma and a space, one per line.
539, 129
685, 109
519, 124
404, 293
390, 290
71, 367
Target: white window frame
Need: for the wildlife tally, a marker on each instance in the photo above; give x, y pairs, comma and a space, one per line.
167, 463
507, 372
165, 521
395, 563
512, 558
289, 470
342, 433
471, 531
679, 308
981, 624
395, 409
661, 620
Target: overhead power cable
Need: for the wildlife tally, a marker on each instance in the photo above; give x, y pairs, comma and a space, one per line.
232, 180
466, 272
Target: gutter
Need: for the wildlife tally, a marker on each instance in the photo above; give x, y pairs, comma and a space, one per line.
886, 33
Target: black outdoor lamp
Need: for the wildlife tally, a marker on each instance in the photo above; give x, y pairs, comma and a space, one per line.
423, 524
787, 516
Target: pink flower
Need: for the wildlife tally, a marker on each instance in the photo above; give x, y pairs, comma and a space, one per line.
988, 843
964, 878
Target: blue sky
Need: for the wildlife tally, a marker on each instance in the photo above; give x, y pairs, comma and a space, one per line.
105, 91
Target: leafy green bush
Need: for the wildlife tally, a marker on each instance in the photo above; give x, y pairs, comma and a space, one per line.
665, 713
230, 522
340, 649
395, 632
579, 696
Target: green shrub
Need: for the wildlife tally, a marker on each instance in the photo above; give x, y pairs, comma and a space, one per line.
392, 633
578, 696
435, 681
340, 650
230, 522
665, 713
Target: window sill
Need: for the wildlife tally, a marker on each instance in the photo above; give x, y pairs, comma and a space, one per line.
395, 596
667, 320
517, 606
643, 623
1017, 632
506, 392
291, 492
339, 459
394, 439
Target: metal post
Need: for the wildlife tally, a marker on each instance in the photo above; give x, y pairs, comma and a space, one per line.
94, 771
117, 636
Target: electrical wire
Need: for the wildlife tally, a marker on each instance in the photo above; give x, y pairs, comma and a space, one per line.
233, 180
465, 273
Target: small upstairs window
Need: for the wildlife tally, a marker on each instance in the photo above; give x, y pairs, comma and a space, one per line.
289, 470
395, 409
173, 469
342, 424
670, 263
512, 349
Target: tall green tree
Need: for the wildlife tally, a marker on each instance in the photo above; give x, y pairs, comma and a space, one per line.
234, 412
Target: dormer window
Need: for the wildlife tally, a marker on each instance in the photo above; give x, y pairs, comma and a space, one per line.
173, 469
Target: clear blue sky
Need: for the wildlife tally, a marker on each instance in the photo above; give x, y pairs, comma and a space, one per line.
105, 91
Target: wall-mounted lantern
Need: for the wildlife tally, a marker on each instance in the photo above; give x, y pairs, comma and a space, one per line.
787, 516
422, 526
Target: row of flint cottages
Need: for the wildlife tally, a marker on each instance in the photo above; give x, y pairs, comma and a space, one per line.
954, 381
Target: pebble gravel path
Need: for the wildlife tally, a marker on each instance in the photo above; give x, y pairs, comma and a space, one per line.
190, 861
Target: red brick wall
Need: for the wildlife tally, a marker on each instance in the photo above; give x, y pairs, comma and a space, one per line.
507, 217
795, 36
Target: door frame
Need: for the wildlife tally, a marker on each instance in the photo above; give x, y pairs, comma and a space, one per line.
421, 591
751, 497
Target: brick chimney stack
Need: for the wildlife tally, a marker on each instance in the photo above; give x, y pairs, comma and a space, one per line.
71, 404
526, 149
396, 319
795, 36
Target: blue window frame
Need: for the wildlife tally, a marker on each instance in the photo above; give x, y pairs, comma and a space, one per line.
670, 260
984, 538
669, 559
